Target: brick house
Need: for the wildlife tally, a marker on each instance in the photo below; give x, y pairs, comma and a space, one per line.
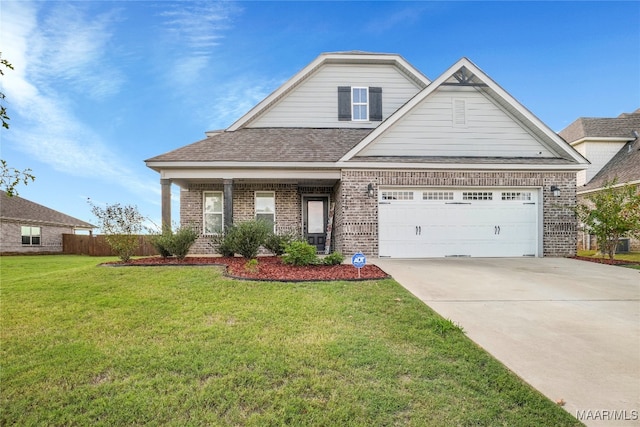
612, 146
28, 227
361, 152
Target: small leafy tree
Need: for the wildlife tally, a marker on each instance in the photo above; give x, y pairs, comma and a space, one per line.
121, 226
10, 177
610, 214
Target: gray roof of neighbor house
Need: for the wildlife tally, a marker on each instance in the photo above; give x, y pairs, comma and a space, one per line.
624, 167
19, 209
600, 127
269, 145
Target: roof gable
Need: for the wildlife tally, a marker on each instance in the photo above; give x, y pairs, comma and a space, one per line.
19, 209
624, 167
409, 74
469, 81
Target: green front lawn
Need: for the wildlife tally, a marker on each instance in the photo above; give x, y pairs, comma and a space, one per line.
88, 345
630, 256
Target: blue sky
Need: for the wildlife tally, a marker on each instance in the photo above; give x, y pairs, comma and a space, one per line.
99, 87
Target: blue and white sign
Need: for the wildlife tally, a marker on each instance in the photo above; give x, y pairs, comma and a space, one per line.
358, 260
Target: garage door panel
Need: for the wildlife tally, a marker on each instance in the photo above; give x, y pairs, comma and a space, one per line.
477, 223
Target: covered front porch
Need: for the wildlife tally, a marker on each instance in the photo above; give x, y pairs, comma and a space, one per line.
298, 205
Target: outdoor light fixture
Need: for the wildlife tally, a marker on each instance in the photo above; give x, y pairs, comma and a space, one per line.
555, 190
370, 190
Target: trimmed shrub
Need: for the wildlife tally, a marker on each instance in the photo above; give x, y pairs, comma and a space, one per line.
334, 258
248, 236
162, 242
277, 243
224, 243
300, 253
181, 241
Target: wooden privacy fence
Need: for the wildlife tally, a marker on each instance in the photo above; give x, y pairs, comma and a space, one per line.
78, 244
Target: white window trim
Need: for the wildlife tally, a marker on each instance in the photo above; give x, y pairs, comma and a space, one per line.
204, 211
354, 104
31, 235
255, 204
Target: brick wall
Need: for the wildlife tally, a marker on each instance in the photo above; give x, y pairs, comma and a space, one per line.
50, 239
288, 207
358, 213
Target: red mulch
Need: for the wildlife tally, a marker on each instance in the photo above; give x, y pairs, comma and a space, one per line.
269, 268
604, 260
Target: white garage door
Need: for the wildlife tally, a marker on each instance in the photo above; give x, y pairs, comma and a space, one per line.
435, 222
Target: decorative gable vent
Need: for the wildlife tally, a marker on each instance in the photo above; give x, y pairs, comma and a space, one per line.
459, 112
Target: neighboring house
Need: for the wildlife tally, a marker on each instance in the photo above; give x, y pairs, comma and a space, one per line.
27, 227
613, 148
361, 152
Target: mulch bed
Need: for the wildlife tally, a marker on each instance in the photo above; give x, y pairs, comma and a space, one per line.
605, 260
269, 268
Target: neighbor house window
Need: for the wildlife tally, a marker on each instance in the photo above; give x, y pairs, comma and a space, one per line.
30, 235
266, 207
360, 103
212, 222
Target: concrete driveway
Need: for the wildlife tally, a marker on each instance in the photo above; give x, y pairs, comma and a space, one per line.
569, 328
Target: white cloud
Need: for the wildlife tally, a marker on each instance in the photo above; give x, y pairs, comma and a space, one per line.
66, 45
198, 25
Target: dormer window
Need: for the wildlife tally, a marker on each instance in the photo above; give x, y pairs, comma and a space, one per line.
359, 104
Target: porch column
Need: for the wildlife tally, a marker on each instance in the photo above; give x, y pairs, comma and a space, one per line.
228, 202
165, 184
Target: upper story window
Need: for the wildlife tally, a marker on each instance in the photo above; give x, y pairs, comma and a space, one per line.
359, 103
266, 207
212, 211
30, 235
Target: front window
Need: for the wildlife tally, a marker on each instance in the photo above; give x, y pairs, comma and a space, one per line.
360, 103
266, 207
30, 235
212, 223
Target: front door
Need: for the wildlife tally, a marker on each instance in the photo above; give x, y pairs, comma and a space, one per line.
314, 217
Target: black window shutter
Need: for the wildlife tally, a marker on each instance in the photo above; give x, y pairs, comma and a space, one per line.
344, 103
375, 104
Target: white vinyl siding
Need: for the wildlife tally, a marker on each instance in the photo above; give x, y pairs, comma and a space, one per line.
213, 212
314, 102
599, 154
434, 128
266, 207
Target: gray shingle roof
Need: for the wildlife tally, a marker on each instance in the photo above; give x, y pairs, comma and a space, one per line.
269, 145
624, 166
598, 127
17, 208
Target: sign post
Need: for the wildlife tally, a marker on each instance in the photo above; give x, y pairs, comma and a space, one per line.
358, 260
